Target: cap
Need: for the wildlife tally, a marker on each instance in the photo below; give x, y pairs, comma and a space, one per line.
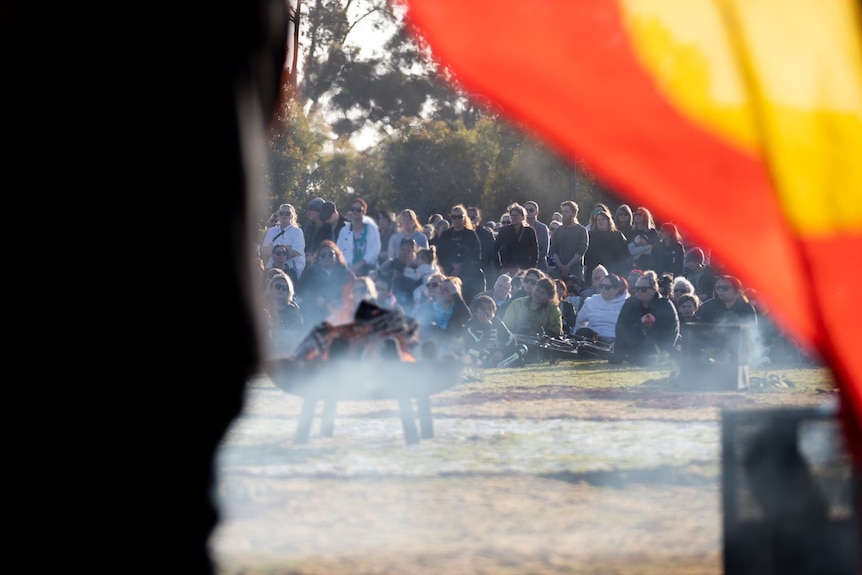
315, 204
326, 210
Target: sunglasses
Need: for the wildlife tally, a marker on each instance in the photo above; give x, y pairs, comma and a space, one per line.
530, 281
326, 256
642, 289
606, 286
281, 287
722, 287
638, 215
285, 213
473, 217
279, 253
456, 216
356, 208
434, 284
531, 209
516, 215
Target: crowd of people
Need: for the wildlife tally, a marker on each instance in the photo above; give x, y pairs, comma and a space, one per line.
473, 285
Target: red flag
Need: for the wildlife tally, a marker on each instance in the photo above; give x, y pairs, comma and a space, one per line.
739, 120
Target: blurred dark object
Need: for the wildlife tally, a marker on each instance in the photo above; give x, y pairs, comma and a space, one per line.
714, 357
790, 494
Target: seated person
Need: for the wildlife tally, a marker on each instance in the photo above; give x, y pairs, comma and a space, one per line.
730, 307
597, 319
441, 319
538, 313
648, 325
488, 341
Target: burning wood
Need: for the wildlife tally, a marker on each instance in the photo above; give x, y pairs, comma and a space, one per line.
376, 333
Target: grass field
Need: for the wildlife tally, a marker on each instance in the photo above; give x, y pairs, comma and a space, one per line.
576, 467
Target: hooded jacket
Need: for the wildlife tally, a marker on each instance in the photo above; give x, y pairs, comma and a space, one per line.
601, 315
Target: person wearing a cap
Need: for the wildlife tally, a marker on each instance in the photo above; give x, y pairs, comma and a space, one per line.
329, 215
315, 231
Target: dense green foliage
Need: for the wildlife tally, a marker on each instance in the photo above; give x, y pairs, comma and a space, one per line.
435, 147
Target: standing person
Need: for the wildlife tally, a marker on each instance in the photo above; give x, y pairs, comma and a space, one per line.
538, 313
607, 246
330, 216
598, 208
408, 228
359, 241
459, 253
543, 236
516, 247
387, 227
314, 231
486, 242
598, 317
488, 341
669, 253
569, 242
644, 237
624, 219
287, 233
321, 287
648, 325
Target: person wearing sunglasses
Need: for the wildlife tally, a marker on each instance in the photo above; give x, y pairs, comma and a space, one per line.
289, 235
647, 329
526, 283
359, 240
321, 287
597, 318
283, 317
681, 287
441, 319
730, 305
459, 252
642, 239
733, 335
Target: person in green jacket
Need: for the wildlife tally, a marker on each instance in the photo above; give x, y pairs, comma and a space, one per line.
538, 313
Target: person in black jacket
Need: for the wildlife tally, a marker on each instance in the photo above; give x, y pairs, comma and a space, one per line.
459, 253
516, 246
648, 325
488, 341
486, 241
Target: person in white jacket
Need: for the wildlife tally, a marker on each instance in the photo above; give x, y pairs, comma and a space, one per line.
359, 240
598, 315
